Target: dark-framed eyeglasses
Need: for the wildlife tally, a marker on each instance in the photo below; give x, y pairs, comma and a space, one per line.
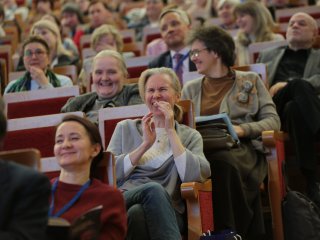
196, 52
37, 53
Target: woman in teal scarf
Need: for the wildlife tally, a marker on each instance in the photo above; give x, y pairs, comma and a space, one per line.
38, 76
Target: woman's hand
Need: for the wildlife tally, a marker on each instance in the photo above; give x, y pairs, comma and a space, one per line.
148, 130
168, 114
239, 131
38, 75
148, 138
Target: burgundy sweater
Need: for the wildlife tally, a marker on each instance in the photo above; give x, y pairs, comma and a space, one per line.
113, 217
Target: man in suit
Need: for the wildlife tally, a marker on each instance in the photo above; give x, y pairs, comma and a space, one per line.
24, 198
294, 79
174, 26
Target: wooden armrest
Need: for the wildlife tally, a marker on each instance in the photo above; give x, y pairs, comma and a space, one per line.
274, 141
190, 191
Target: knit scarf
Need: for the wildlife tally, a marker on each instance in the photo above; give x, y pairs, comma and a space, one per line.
24, 83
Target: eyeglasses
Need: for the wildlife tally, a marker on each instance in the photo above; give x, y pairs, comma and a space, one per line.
195, 52
37, 53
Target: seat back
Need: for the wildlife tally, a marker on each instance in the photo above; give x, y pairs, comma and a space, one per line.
105, 170
3, 75
109, 117
29, 157
34, 132
70, 71
256, 48
37, 103
284, 15
5, 53
128, 35
137, 65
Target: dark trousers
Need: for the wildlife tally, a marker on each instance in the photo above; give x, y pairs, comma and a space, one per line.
299, 109
236, 176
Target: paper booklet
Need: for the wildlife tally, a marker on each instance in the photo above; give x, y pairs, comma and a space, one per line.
218, 118
87, 226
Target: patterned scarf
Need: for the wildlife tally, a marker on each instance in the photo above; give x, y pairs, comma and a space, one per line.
24, 83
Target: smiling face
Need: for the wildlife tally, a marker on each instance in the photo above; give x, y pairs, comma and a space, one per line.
99, 15
245, 23
73, 146
35, 55
173, 30
301, 32
205, 60
159, 88
107, 77
153, 9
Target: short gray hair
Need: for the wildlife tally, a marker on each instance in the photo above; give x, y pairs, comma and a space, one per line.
183, 15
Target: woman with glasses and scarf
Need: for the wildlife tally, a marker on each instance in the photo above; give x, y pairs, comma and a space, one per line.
237, 172
36, 54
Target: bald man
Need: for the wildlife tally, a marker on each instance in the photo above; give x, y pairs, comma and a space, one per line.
294, 80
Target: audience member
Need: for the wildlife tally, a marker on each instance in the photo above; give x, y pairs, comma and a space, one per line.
108, 76
99, 13
11, 8
50, 32
226, 14
2, 17
67, 42
84, 6
236, 172
256, 25
71, 19
294, 79
154, 155
174, 26
24, 198
148, 16
36, 60
40, 8
200, 9
105, 37
78, 148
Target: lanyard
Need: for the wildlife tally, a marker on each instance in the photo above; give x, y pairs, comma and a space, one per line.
181, 62
70, 203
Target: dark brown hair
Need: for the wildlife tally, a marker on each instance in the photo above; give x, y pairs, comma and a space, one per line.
217, 40
36, 39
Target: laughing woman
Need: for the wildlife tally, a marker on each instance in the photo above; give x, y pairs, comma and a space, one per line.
108, 76
154, 155
78, 149
236, 172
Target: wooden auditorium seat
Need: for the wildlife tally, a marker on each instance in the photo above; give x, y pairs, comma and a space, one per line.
137, 65
284, 15
29, 157
34, 132
70, 71
36, 103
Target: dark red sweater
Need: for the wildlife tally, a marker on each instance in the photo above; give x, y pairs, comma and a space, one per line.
113, 217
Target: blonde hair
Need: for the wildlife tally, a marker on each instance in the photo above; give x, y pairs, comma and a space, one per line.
105, 30
264, 24
175, 83
115, 55
52, 27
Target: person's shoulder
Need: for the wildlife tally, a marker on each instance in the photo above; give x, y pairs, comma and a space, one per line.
131, 87
160, 60
192, 83
84, 97
24, 174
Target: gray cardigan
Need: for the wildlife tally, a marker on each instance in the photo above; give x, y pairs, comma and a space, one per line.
128, 136
128, 96
255, 116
